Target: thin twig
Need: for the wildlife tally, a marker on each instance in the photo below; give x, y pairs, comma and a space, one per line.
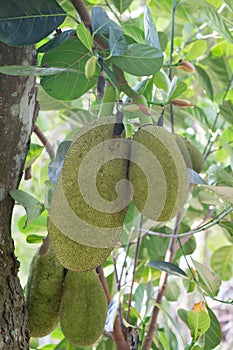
45, 142
162, 286
204, 227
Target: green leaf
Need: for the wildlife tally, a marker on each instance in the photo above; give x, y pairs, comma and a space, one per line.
176, 88
33, 153
172, 291
183, 315
55, 166
26, 22
134, 32
117, 42
56, 41
163, 339
222, 262
218, 176
122, 5
151, 34
168, 267
33, 70
84, 36
198, 322
69, 85
228, 226
161, 80
34, 238
32, 206
225, 192
205, 81
208, 280
196, 50
213, 336
140, 60
226, 110
216, 22
38, 225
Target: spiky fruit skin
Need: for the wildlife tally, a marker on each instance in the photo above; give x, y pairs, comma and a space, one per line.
91, 197
43, 294
83, 308
192, 156
72, 255
158, 173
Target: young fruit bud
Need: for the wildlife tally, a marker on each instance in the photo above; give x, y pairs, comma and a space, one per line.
90, 67
181, 103
187, 67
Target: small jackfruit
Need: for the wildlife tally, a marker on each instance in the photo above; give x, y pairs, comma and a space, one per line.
43, 293
83, 308
192, 156
72, 255
92, 195
158, 173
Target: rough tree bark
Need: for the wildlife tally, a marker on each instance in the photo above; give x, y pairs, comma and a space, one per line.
17, 105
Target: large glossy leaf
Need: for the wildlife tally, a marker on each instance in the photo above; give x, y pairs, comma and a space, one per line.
208, 280
168, 267
196, 50
151, 34
222, 262
56, 41
213, 336
225, 192
140, 60
70, 85
25, 22
55, 166
122, 5
199, 322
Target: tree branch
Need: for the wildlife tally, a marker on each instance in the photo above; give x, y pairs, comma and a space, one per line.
162, 286
117, 335
41, 136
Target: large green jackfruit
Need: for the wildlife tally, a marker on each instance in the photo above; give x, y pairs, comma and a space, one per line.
158, 173
192, 156
72, 255
83, 308
43, 293
92, 195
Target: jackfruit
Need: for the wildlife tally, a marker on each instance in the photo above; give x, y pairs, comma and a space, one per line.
83, 308
158, 173
92, 195
43, 293
192, 156
72, 255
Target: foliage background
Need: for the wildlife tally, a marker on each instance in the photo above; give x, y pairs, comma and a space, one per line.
208, 124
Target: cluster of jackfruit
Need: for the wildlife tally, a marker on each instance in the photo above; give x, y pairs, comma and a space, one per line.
102, 173
76, 299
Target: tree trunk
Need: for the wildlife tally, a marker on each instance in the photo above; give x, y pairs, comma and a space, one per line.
17, 105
